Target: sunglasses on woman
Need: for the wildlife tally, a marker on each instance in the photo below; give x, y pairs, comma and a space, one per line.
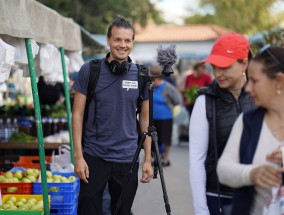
266, 49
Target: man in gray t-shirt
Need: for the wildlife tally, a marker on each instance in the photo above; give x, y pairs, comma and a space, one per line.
110, 133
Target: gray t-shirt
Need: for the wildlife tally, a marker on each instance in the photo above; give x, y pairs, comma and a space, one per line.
115, 137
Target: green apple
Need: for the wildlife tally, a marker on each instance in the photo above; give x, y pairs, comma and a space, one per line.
15, 180
1, 178
39, 207
5, 180
8, 174
49, 179
29, 171
39, 202
64, 179
72, 178
36, 172
53, 189
23, 207
11, 189
19, 203
13, 199
12, 208
5, 206
26, 180
18, 174
32, 200
49, 174
28, 204
22, 199
9, 180
31, 177
10, 203
57, 177
56, 180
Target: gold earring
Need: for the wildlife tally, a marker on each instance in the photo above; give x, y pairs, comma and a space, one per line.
279, 92
244, 73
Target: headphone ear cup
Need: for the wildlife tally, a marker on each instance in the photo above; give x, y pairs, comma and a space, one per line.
117, 68
124, 66
114, 66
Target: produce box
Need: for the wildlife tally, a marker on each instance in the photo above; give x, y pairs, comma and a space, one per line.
15, 182
16, 188
61, 192
18, 211
31, 162
64, 209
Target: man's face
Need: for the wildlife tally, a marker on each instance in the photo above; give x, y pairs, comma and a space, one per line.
120, 43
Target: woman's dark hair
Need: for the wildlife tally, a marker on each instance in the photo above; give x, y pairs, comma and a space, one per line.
250, 56
122, 22
272, 59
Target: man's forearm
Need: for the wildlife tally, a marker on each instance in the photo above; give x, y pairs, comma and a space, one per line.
77, 136
144, 124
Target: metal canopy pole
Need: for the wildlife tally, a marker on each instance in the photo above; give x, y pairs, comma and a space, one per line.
38, 126
67, 101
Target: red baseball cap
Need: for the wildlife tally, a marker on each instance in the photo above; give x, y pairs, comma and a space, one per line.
227, 49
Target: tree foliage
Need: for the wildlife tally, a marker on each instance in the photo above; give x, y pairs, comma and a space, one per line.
240, 15
96, 15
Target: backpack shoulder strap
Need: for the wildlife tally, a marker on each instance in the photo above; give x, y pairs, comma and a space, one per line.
93, 80
143, 74
93, 77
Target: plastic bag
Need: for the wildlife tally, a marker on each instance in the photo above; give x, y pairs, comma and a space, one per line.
62, 161
181, 116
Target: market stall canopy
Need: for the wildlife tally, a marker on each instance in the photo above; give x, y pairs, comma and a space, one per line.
31, 19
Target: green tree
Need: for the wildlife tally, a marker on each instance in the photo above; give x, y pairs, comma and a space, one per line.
240, 15
95, 15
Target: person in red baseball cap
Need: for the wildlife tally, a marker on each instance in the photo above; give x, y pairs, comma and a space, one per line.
215, 111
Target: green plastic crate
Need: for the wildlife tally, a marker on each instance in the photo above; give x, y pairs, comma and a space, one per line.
19, 212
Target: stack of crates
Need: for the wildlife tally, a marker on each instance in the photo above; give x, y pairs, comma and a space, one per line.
31, 162
63, 195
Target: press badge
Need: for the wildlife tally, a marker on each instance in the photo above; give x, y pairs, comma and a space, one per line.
129, 84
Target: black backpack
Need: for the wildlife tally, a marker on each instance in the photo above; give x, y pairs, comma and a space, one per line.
143, 74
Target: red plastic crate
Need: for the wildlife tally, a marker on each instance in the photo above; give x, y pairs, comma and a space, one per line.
31, 162
20, 188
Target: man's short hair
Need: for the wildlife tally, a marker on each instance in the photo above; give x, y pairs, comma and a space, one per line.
122, 22
198, 65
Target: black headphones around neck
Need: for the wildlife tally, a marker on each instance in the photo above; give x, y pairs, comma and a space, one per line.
119, 68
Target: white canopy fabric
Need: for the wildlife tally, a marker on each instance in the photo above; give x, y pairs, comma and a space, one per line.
31, 19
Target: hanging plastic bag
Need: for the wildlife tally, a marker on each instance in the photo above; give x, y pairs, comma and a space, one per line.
62, 161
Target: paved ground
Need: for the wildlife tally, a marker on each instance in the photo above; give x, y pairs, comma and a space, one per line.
149, 199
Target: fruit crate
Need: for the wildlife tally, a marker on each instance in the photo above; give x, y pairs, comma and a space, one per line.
16, 188
64, 209
31, 162
60, 192
22, 212
24, 187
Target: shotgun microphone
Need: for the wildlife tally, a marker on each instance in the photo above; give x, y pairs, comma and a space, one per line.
166, 58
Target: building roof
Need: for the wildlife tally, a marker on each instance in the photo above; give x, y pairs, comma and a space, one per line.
174, 33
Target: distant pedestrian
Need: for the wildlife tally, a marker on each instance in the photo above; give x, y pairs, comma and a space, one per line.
166, 96
198, 79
